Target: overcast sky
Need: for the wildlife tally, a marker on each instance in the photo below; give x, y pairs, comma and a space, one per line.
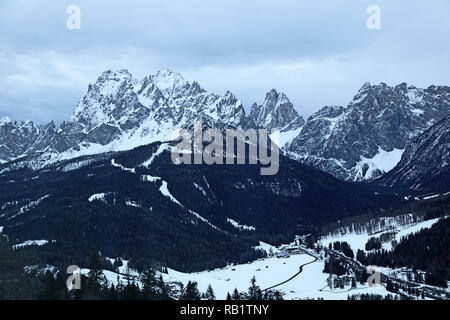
317, 52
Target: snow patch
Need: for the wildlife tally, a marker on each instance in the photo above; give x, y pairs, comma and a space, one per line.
241, 227
132, 204
30, 206
357, 239
284, 138
268, 248
200, 188
383, 161
98, 196
149, 178
431, 197
28, 243
417, 111
165, 192
160, 150
117, 165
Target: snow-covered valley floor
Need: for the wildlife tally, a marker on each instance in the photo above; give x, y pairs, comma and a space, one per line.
310, 283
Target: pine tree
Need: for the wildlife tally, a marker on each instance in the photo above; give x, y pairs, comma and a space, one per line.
254, 291
50, 287
353, 283
209, 294
96, 279
131, 292
236, 295
191, 292
150, 284
278, 295
112, 293
163, 289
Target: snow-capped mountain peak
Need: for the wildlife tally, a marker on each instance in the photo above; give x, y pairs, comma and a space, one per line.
5, 120
275, 113
119, 112
168, 81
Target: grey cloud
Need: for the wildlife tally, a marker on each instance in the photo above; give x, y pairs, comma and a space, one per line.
317, 52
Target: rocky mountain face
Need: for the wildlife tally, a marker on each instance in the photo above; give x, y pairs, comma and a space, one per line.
119, 112
358, 142
275, 113
425, 164
20, 138
368, 137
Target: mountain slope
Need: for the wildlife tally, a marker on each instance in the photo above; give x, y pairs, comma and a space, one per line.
137, 204
425, 165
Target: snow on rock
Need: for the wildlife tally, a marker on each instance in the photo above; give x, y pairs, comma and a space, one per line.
75, 165
283, 139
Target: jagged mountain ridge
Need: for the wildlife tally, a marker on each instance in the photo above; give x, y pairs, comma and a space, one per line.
119, 113
276, 113
358, 142
20, 138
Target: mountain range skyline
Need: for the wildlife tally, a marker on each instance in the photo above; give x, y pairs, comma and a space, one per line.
247, 106
358, 141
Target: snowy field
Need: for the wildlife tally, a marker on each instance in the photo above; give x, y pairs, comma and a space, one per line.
310, 284
358, 240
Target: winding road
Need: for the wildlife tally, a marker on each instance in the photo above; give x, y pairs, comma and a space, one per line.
300, 269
